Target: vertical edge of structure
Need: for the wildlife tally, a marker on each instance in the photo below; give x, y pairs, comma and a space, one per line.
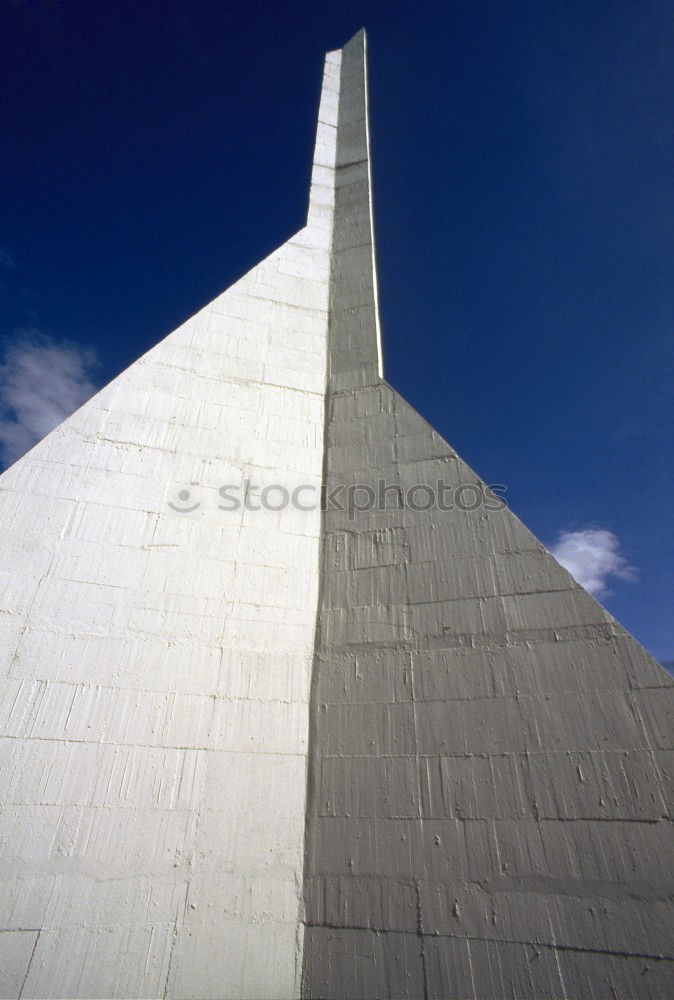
375, 280
355, 341
320, 215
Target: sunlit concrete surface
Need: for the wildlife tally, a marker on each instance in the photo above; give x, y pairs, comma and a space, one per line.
157, 658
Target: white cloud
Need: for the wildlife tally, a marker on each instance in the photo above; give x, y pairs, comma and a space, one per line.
42, 382
592, 556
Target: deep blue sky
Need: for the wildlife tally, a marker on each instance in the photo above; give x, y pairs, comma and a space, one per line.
524, 199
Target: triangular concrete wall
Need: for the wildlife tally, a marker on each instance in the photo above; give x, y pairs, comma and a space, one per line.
157, 649
488, 797
490, 762
487, 773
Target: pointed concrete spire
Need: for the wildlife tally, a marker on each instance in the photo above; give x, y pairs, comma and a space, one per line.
341, 189
355, 342
322, 195
487, 751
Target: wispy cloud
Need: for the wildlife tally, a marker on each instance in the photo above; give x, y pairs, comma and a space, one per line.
7, 258
592, 556
42, 382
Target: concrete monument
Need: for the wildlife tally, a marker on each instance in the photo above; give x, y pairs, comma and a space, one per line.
254, 748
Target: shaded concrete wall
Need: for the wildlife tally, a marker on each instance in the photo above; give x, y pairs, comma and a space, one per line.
156, 662
355, 348
489, 767
489, 772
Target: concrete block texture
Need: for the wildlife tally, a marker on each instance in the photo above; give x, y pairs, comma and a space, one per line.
158, 648
488, 785
247, 751
487, 809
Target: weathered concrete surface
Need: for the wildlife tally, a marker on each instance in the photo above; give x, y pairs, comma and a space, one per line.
488, 808
355, 345
490, 755
488, 805
156, 663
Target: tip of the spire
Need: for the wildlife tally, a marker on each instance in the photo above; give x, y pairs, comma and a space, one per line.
360, 36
